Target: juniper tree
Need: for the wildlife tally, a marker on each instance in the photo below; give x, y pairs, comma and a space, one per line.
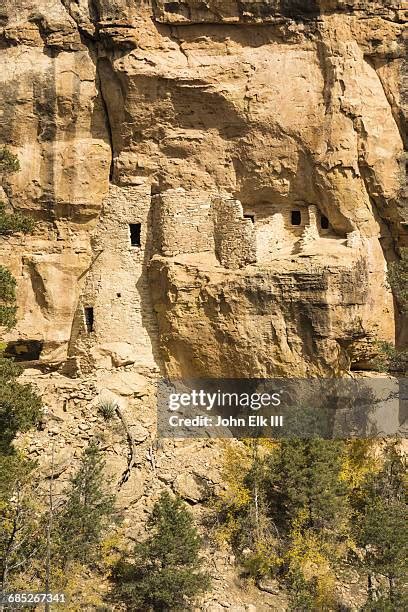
398, 279
20, 406
165, 571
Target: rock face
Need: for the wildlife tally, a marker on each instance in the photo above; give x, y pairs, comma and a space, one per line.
218, 186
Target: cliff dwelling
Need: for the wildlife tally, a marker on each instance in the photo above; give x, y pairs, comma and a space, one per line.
284, 230
203, 193
195, 190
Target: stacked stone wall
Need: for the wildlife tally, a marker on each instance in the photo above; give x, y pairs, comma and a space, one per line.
116, 287
184, 222
234, 236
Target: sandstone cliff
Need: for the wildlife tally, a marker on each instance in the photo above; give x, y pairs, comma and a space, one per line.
279, 106
218, 189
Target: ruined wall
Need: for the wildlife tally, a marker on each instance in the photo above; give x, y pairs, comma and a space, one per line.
234, 236
123, 327
311, 232
183, 222
277, 236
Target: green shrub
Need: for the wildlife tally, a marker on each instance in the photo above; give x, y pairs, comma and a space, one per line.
8, 306
20, 407
8, 161
389, 359
11, 223
384, 603
397, 277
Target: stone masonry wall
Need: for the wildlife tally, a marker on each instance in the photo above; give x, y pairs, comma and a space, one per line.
275, 235
116, 286
234, 236
311, 232
183, 221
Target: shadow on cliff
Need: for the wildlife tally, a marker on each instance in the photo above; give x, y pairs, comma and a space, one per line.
149, 317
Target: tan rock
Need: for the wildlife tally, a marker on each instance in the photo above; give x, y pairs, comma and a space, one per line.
124, 383
189, 487
115, 354
219, 189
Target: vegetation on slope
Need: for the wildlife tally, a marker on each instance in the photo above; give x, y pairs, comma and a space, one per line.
301, 511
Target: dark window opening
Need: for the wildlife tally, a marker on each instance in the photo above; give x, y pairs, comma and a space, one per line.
172, 7
89, 318
296, 217
24, 350
324, 222
118, 295
250, 217
299, 10
135, 231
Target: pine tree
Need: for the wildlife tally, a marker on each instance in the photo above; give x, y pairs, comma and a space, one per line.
383, 535
305, 476
380, 524
309, 505
165, 573
87, 512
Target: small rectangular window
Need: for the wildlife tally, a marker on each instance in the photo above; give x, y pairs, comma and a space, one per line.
250, 217
135, 233
89, 318
296, 217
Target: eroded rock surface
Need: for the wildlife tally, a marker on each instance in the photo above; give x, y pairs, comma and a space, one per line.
284, 107
218, 188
